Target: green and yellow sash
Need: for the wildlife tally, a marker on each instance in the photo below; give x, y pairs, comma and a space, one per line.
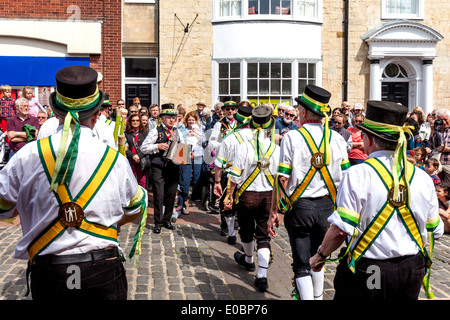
326, 176
379, 222
84, 197
237, 172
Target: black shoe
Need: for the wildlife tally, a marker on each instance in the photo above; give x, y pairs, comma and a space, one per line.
231, 239
240, 259
169, 226
261, 284
157, 229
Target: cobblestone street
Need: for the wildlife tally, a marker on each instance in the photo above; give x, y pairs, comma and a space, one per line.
194, 262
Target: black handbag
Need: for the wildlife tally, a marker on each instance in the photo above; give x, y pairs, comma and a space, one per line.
145, 161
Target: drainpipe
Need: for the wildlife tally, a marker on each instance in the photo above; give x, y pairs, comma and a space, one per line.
345, 53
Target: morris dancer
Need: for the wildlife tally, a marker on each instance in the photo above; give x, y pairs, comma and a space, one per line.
395, 209
92, 193
223, 163
252, 175
311, 162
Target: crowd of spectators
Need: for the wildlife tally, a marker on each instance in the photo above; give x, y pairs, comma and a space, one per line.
428, 149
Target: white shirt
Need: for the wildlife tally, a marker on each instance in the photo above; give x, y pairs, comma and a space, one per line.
244, 160
150, 147
295, 152
228, 148
216, 137
363, 192
24, 183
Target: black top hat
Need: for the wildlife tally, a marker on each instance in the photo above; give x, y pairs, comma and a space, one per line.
168, 109
76, 91
243, 113
262, 118
385, 112
315, 98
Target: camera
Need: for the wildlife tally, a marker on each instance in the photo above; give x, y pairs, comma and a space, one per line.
438, 122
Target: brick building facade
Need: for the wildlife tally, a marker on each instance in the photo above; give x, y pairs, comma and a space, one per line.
58, 33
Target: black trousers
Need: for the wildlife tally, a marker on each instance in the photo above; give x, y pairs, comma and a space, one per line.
253, 211
392, 279
95, 280
306, 225
164, 184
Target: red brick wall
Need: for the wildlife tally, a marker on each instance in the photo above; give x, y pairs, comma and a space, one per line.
109, 62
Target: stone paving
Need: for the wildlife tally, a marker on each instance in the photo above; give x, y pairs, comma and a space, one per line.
194, 262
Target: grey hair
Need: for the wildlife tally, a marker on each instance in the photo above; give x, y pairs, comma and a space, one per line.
20, 101
291, 108
442, 111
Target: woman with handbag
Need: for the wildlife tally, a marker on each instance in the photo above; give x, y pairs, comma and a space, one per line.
135, 135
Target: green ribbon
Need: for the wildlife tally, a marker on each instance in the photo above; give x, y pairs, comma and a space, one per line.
65, 160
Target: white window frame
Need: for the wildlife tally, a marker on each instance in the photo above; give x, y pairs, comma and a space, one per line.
294, 14
418, 16
144, 80
244, 78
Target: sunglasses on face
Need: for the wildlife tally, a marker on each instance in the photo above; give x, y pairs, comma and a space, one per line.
41, 117
230, 109
289, 115
359, 121
338, 123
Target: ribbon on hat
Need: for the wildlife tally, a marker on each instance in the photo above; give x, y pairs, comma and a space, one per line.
323, 108
260, 138
65, 160
400, 151
77, 105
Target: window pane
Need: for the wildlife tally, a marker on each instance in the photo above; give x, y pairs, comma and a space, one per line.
264, 6
263, 86
301, 86
275, 70
302, 71
140, 67
275, 7
264, 70
253, 7
252, 86
275, 86
235, 70
311, 70
307, 8
252, 70
223, 70
401, 6
223, 86
287, 70
286, 85
235, 86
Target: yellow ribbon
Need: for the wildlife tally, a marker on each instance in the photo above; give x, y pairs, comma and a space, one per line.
400, 150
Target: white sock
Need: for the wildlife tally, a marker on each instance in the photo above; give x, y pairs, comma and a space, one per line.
305, 288
263, 262
249, 247
317, 281
230, 224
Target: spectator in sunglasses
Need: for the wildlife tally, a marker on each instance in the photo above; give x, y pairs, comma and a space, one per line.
285, 122
339, 128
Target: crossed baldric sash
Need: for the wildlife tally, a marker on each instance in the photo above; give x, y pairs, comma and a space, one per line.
71, 213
